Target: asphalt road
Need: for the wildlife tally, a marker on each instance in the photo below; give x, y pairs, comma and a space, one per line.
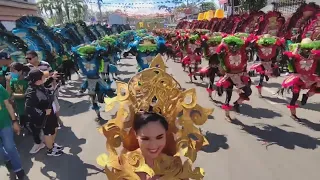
262, 144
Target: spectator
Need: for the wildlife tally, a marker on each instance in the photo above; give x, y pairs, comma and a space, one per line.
7, 145
5, 61
17, 86
34, 63
40, 109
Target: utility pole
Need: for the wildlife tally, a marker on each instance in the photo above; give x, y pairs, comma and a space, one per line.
232, 7
99, 6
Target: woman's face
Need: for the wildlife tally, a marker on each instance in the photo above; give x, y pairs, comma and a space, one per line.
152, 139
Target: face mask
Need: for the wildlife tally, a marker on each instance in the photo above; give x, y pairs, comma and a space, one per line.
14, 75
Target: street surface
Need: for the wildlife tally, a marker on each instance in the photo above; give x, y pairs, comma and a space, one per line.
262, 144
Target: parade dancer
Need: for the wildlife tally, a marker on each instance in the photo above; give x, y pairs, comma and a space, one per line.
233, 60
267, 51
152, 102
210, 45
305, 67
146, 49
193, 58
174, 50
89, 60
109, 58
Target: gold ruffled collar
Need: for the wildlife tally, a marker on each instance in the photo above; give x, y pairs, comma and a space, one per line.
127, 165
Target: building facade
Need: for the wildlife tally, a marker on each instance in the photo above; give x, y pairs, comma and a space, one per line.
11, 10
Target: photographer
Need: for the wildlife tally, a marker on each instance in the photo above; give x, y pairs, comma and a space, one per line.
34, 63
40, 108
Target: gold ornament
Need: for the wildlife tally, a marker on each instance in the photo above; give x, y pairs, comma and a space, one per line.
180, 109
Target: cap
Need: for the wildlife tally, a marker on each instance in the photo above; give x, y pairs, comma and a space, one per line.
4, 56
34, 75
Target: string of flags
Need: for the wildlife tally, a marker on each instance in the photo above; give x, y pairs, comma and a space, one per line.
129, 7
135, 3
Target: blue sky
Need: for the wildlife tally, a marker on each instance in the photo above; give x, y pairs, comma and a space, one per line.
135, 6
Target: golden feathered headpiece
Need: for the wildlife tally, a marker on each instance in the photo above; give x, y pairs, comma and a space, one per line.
180, 109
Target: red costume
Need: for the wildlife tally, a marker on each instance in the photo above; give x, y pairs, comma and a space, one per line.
305, 65
233, 60
267, 51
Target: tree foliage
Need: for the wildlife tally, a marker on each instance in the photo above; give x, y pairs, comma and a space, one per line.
60, 11
253, 5
206, 6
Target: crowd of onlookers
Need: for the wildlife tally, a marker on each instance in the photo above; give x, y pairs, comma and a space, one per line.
28, 102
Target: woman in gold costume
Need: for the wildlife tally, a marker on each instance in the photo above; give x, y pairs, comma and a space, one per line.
155, 126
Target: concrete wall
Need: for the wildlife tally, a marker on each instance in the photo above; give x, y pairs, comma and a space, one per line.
11, 10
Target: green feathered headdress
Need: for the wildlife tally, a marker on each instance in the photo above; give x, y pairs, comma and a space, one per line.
114, 36
86, 50
307, 46
294, 46
240, 35
124, 33
316, 44
204, 31
233, 40
215, 40
141, 35
109, 40
266, 41
193, 38
148, 44
141, 31
147, 47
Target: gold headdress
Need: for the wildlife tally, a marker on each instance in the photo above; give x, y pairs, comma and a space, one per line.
180, 109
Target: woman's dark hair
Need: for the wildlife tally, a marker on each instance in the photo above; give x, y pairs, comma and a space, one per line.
143, 118
19, 67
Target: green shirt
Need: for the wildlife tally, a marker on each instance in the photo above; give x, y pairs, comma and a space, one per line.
19, 87
5, 119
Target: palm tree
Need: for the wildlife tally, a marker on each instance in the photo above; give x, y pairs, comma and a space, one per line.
45, 6
59, 9
75, 6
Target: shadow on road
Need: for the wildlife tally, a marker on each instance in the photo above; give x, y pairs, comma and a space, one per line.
271, 135
310, 124
216, 142
125, 73
199, 84
69, 165
259, 113
66, 167
276, 100
126, 80
271, 85
69, 109
125, 64
312, 106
